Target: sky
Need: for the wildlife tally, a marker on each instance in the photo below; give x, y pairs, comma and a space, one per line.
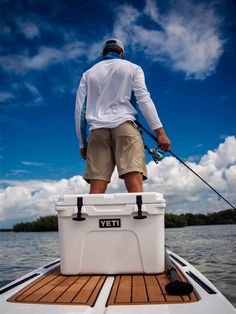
187, 50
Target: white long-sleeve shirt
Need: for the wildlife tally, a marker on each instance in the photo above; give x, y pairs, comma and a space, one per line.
107, 94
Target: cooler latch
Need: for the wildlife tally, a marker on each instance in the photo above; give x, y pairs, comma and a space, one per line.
139, 203
79, 207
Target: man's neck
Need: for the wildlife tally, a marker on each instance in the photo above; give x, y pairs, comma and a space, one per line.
112, 55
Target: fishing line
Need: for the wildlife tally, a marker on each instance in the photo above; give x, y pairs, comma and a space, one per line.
181, 161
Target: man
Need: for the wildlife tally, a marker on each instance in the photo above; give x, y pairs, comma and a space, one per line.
105, 100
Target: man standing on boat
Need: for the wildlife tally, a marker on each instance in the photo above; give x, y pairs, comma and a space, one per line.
105, 100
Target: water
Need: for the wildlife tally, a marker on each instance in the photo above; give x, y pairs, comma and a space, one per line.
211, 249
22, 252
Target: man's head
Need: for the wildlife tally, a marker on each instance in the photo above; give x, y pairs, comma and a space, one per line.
113, 45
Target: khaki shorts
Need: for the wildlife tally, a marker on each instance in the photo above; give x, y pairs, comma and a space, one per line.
121, 146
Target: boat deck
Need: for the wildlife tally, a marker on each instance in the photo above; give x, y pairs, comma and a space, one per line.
55, 288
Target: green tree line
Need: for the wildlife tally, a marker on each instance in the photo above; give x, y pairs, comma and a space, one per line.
223, 217
50, 223
46, 223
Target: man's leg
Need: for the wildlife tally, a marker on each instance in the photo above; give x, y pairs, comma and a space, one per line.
134, 181
130, 156
98, 186
100, 161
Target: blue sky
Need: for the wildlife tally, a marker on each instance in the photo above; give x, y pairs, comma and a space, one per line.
187, 50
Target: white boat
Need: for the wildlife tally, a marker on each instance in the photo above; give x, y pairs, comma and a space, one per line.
40, 292
71, 287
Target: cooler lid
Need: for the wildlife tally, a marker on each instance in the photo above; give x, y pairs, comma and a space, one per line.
111, 199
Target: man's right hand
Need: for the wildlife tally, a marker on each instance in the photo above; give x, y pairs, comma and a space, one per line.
163, 140
83, 152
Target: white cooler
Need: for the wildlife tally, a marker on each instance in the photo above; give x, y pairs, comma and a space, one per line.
111, 233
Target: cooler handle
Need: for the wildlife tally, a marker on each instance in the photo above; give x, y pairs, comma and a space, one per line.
139, 203
79, 206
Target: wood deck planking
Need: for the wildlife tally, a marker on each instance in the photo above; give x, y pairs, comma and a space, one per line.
70, 293
153, 289
37, 284
85, 293
54, 294
92, 299
144, 289
139, 293
44, 290
124, 289
54, 288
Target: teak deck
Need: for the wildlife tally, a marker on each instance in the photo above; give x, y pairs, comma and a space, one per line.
144, 289
54, 288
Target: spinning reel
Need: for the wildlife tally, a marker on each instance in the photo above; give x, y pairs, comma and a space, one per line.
156, 154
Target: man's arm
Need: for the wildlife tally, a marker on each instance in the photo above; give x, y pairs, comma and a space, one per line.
148, 109
144, 100
80, 116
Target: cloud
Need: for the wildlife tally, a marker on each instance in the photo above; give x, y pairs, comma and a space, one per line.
17, 172
24, 199
183, 191
21, 63
36, 96
152, 11
186, 38
42, 59
23, 94
34, 163
4, 97
29, 29
224, 155
33, 51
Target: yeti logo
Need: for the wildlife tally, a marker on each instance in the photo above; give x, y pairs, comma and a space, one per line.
110, 223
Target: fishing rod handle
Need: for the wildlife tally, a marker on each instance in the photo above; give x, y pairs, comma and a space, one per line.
172, 273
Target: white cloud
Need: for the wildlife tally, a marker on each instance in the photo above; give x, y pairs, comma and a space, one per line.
45, 57
182, 190
225, 154
15, 172
187, 37
95, 50
25, 199
12, 98
29, 29
68, 48
6, 97
152, 11
37, 99
33, 163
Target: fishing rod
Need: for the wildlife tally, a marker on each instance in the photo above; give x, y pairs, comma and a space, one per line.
181, 161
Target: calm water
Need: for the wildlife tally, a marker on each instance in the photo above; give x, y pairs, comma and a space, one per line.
211, 249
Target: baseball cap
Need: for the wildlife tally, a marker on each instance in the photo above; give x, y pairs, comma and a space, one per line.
113, 42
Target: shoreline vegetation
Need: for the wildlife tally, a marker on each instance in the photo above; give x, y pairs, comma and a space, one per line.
50, 223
